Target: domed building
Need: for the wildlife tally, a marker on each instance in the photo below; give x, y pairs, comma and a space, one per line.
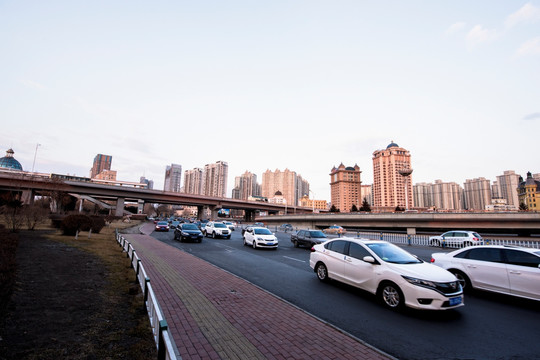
9, 162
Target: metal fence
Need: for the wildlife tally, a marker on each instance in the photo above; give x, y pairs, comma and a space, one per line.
423, 240
162, 337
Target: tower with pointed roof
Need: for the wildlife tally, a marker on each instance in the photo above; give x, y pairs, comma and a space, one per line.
345, 187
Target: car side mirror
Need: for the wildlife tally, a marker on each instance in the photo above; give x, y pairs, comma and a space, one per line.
369, 259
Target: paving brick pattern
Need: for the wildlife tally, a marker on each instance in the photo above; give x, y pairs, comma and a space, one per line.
213, 314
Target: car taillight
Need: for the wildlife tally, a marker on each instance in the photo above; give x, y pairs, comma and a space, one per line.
432, 260
313, 249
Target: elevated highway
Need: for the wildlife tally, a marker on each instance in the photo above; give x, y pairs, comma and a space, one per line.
518, 223
40, 184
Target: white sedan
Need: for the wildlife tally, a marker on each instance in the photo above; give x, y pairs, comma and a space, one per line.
503, 269
397, 277
260, 237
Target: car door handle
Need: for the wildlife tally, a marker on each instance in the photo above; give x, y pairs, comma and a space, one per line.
471, 266
515, 272
347, 259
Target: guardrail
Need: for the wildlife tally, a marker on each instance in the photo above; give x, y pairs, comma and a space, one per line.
423, 240
162, 337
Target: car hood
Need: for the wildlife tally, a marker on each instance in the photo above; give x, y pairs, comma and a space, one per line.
424, 271
266, 237
192, 231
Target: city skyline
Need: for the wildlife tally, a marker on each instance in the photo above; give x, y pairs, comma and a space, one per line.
297, 85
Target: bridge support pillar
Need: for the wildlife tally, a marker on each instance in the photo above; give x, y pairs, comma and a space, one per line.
411, 231
249, 215
81, 201
140, 207
214, 210
27, 197
119, 207
200, 212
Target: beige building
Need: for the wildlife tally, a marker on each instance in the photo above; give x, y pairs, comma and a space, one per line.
215, 179
193, 181
529, 192
305, 201
287, 183
388, 184
345, 187
506, 187
477, 193
438, 196
109, 175
245, 186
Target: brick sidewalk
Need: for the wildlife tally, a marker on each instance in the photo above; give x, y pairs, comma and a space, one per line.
213, 314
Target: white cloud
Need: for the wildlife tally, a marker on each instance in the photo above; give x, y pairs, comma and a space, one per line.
528, 13
479, 35
530, 47
454, 28
32, 84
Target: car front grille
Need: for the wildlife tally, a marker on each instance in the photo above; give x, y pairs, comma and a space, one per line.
449, 288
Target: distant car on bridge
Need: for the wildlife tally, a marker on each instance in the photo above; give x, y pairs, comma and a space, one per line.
335, 229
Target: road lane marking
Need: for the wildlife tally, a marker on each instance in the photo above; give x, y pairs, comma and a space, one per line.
288, 257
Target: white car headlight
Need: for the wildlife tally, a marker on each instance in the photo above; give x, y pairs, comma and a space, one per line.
420, 282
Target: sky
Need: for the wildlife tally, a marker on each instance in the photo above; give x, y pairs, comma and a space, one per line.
302, 85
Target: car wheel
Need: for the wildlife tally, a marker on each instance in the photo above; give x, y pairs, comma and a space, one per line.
295, 242
391, 295
228, 237
463, 280
467, 243
254, 244
322, 272
213, 235
435, 243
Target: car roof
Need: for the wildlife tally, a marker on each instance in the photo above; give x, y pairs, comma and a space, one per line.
514, 247
360, 240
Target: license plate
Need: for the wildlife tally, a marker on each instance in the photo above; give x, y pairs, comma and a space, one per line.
455, 301
269, 243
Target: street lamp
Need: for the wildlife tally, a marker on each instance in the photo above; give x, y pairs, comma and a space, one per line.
35, 154
312, 202
406, 173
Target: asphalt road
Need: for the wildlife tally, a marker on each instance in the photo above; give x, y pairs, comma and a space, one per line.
489, 326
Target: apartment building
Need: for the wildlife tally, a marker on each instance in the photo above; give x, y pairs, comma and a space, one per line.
388, 183
345, 187
173, 177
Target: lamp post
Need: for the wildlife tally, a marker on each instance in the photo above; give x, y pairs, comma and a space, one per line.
312, 202
406, 173
35, 154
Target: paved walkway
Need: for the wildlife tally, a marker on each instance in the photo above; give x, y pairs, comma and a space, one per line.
213, 314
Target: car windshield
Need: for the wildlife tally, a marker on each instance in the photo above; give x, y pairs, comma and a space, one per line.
262, 232
218, 225
189, 227
163, 223
317, 234
393, 254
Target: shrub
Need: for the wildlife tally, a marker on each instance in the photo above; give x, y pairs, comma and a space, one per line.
98, 223
73, 223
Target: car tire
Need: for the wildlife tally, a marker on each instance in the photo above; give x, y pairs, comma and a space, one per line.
391, 296
295, 242
435, 243
463, 280
254, 244
245, 242
322, 272
213, 235
228, 237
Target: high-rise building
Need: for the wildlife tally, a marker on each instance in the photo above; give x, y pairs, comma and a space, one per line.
215, 179
507, 185
441, 195
366, 192
101, 162
245, 186
477, 193
173, 178
149, 183
193, 181
388, 183
287, 183
345, 187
